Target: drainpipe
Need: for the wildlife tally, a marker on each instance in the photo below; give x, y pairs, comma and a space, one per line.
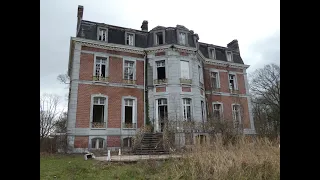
144, 84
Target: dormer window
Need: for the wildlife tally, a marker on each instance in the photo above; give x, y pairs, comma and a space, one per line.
182, 38
213, 53
130, 39
229, 56
102, 34
159, 38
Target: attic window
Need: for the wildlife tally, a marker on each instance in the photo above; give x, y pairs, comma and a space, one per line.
182, 38
102, 34
213, 53
159, 38
229, 56
130, 39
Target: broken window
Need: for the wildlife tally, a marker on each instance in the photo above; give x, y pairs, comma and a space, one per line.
127, 142
213, 53
102, 36
232, 82
236, 115
101, 67
162, 112
128, 70
97, 143
129, 113
186, 102
161, 69
184, 67
217, 111
98, 112
229, 56
214, 80
182, 38
159, 38
130, 39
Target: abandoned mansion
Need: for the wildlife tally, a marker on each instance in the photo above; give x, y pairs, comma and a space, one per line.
122, 79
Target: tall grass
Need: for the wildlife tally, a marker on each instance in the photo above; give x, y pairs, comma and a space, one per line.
242, 159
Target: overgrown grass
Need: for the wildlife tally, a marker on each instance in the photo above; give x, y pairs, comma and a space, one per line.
242, 160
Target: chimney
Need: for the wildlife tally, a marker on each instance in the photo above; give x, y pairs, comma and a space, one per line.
234, 45
144, 26
79, 17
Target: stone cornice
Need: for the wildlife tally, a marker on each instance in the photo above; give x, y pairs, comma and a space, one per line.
108, 46
222, 63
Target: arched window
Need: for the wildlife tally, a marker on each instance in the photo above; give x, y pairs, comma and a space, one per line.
97, 143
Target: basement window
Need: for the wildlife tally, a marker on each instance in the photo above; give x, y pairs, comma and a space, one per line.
129, 113
127, 142
161, 69
97, 143
98, 114
159, 38
102, 34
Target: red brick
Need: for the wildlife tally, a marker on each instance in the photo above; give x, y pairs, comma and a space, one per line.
186, 89
162, 53
161, 89
113, 141
81, 141
114, 104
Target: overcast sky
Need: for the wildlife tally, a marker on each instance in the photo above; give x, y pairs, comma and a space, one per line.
255, 23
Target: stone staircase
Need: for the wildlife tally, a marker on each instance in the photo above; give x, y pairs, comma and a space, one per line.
151, 144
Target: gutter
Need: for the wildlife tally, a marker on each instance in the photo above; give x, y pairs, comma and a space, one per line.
144, 85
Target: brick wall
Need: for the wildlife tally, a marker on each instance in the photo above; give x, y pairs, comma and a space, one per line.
113, 141
81, 141
224, 80
114, 104
227, 109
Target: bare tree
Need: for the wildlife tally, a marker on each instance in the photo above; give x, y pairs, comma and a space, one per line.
61, 123
265, 88
64, 78
48, 114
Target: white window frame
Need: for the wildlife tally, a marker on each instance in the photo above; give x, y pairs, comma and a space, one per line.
189, 76
134, 68
157, 125
98, 33
221, 109
191, 108
156, 39
180, 38
240, 120
186, 37
235, 80
133, 38
231, 56
97, 142
134, 111
217, 77
105, 109
212, 53
165, 66
95, 62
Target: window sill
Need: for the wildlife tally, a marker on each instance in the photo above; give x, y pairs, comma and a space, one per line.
129, 128
98, 128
